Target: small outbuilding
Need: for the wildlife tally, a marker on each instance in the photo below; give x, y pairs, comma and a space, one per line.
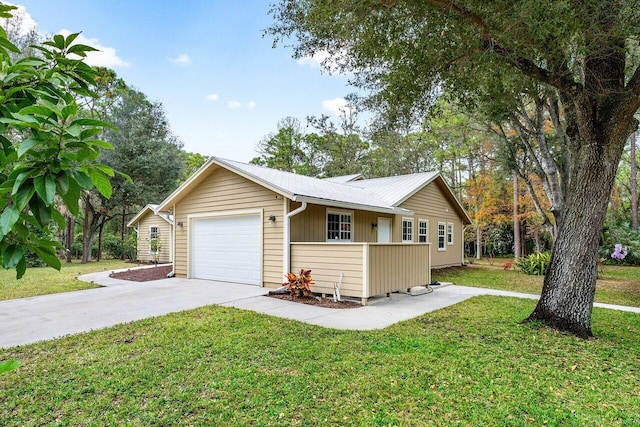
155, 234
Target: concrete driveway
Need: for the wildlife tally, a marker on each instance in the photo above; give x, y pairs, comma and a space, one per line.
28, 320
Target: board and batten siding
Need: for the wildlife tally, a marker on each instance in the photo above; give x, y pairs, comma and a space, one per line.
430, 203
363, 270
225, 191
144, 245
326, 262
310, 225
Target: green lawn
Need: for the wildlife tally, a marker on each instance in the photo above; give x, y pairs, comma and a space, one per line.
618, 285
45, 280
469, 364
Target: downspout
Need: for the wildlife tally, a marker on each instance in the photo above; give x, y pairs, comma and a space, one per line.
287, 236
172, 253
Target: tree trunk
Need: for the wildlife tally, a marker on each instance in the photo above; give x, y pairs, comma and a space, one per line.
100, 230
122, 231
634, 183
569, 285
478, 242
517, 245
68, 236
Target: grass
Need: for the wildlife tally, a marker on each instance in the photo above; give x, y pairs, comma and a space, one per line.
618, 284
469, 364
45, 280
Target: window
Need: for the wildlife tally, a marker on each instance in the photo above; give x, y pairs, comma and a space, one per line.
423, 231
154, 240
441, 236
339, 226
450, 233
407, 229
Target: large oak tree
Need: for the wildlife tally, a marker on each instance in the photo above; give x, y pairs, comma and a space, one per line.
405, 51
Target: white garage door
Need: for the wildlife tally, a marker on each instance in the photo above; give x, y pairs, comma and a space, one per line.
228, 249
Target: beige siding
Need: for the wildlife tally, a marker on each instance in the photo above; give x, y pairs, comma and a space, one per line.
327, 261
311, 224
144, 248
367, 269
394, 267
431, 204
224, 191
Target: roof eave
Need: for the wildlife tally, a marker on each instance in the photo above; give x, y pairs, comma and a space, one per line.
355, 206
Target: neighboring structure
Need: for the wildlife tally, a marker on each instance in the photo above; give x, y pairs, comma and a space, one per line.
155, 234
249, 224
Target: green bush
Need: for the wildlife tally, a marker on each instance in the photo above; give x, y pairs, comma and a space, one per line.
535, 264
112, 246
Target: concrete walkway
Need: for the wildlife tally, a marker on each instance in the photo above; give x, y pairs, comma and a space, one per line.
28, 320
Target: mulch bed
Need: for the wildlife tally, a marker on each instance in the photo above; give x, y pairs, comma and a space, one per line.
159, 273
323, 302
143, 274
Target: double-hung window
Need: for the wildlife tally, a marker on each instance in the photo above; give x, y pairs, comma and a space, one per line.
339, 227
423, 231
407, 230
154, 235
442, 236
449, 233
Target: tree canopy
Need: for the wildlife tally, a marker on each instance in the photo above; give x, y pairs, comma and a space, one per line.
582, 54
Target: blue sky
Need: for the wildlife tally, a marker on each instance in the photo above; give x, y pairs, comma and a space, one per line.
222, 84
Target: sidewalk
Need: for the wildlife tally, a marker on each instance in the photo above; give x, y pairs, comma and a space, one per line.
27, 320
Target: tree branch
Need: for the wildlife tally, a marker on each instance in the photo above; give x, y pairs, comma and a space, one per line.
525, 65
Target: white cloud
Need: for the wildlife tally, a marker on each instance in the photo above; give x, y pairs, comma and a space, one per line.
104, 57
182, 59
212, 97
22, 21
251, 105
338, 106
234, 104
324, 60
314, 61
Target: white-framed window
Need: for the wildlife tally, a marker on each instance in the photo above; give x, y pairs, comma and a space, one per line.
450, 233
423, 231
407, 229
154, 237
442, 228
339, 226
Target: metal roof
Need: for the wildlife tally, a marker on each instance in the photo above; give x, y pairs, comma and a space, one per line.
377, 195
344, 178
395, 189
314, 190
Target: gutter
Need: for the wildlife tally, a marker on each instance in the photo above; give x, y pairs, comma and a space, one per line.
172, 273
287, 236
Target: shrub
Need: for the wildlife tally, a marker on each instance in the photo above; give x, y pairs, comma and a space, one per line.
112, 246
535, 264
300, 284
620, 234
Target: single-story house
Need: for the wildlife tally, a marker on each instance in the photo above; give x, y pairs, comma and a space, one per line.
244, 223
155, 234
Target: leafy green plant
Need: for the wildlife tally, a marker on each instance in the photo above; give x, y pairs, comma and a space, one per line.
299, 284
535, 264
620, 234
48, 152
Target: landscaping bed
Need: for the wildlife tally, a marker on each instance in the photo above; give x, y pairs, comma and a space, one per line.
144, 274
320, 302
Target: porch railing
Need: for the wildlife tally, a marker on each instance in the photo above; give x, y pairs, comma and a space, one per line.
367, 269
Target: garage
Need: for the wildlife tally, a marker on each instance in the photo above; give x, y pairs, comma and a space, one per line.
227, 248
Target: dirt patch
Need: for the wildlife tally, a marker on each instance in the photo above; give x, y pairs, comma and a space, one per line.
143, 274
322, 302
